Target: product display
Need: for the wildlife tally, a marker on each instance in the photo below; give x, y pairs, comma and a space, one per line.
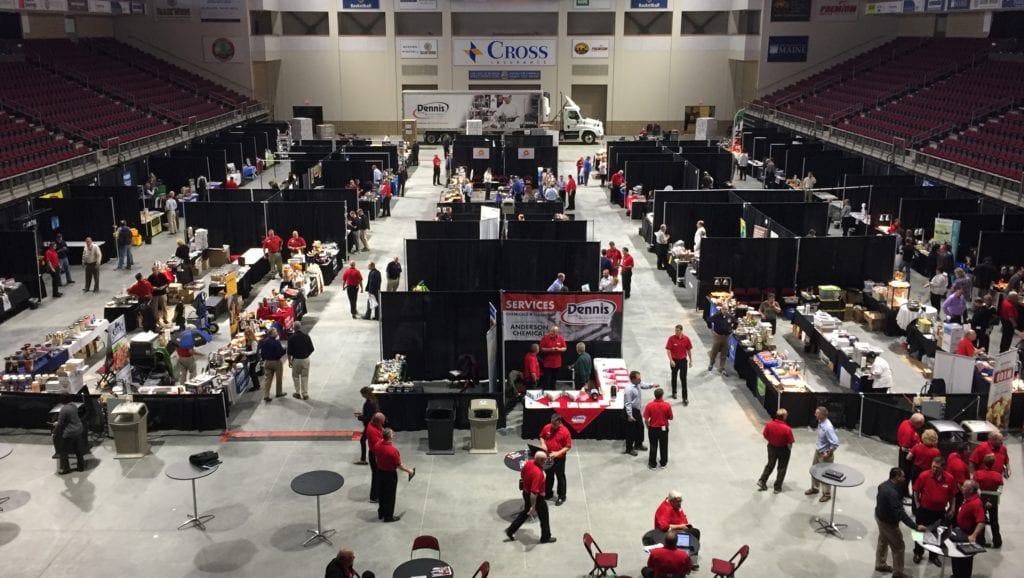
389, 371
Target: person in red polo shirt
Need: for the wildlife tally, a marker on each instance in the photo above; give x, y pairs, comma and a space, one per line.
389, 461
374, 434
956, 465
670, 516
657, 414
615, 256
907, 436
1008, 318
531, 367
990, 481
272, 249
933, 497
296, 245
142, 288
971, 520
668, 560
966, 345
780, 444
994, 445
352, 280
627, 272
923, 452
532, 482
556, 441
678, 348
552, 346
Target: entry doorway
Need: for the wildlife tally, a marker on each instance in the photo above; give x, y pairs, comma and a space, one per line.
692, 113
592, 100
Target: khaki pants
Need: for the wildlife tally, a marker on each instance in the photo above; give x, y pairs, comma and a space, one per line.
825, 488
719, 344
364, 235
890, 538
273, 370
159, 305
172, 221
393, 285
300, 376
186, 369
276, 264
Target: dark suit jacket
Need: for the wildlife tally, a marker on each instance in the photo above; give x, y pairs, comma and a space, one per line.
373, 282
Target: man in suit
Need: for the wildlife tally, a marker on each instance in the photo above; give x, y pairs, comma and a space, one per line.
372, 292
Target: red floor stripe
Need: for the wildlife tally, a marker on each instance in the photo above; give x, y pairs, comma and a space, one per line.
353, 435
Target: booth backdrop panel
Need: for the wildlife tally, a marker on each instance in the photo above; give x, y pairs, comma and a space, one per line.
232, 151
337, 173
462, 156
758, 263
19, 258
532, 211
264, 141
314, 221
447, 230
971, 225
1003, 248
757, 196
433, 329
921, 213
794, 158
845, 261
755, 217
217, 157
829, 167
546, 157
175, 172
798, 217
885, 200
78, 219
347, 196
235, 196
625, 158
454, 265
388, 152
686, 196
720, 220
241, 226
127, 202
248, 144
547, 230
656, 175
529, 265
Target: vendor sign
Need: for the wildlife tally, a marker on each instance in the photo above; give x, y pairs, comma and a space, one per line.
580, 317
1003, 371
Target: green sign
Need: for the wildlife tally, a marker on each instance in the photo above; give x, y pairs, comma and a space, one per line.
760, 387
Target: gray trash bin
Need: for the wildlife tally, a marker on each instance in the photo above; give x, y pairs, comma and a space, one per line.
483, 423
977, 431
440, 426
130, 430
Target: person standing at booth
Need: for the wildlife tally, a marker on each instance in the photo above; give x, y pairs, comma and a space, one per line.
657, 414
531, 366
679, 349
970, 518
91, 259
583, 367
159, 282
934, 493
374, 435
661, 241
908, 434
437, 170
372, 292
824, 451
272, 249
352, 280
722, 325
171, 212
271, 352
632, 403
300, 348
990, 482
770, 310
552, 346
53, 268
556, 440
64, 258
627, 272
394, 274
1008, 318
533, 486
296, 245
124, 247
370, 409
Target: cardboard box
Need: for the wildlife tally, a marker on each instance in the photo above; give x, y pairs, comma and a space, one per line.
858, 314
854, 297
218, 257
874, 320
848, 312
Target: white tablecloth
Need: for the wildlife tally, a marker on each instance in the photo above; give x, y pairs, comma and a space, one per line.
905, 316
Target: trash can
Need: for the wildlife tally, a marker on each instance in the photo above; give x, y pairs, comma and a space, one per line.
440, 426
977, 431
483, 423
951, 435
130, 430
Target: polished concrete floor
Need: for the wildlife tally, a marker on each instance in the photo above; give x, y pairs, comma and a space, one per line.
121, 515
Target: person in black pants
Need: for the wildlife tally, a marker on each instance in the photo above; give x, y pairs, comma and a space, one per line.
389, 462
1009, 317
679, 349
67, 434
556, 441
634, 419
372, 289
532, 483
53, 268
932, 503
657, 414
780, 443
370, 408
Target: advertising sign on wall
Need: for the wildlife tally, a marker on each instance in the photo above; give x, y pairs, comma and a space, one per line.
416, 5
835, 10
504, 51
958, 4
224, 49
894, 7
935, 5
592, 4
989, 4
580, 317
791, 10
787, 49
527, 153
1013, 3
221, 10
173, 9
425, 48
999, 395
591, 47
360, 4
648, 4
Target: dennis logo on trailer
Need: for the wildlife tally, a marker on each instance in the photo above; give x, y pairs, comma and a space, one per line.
593, 312
430, 110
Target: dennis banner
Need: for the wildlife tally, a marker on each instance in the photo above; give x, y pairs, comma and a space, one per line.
579, 316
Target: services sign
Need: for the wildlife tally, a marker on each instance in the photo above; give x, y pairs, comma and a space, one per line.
591, 47
835, 10
504, 51
580, 317
787, 49
999, 395
424, 48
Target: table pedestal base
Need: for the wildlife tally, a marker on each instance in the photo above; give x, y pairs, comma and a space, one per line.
197, 521
4, 500
828, 527
319, 534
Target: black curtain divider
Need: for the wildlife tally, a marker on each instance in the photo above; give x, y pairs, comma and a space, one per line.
546, 157
428, 230
454, 264
528, 140
777, 152
799, 218
263, 140
720, 220
885, 200
719, 165
315, 221
348, 196
920, 213
233, 152
763, 144
241, 226
753, 216
388, 152
432, 330
895, 181
462, 156
81, 218
20, 259
471, 210
786, 195
127, 202
614, 149
546, 230
234, 196
248, 144
795, 155
693, 195
625, 158
1003, 247
829, 167
216, 156
971, 225
337, 173
175, 172
658, 175
259, 143
845, 261
751, 263
529, 265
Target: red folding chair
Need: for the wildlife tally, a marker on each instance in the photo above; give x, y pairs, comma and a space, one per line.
603, 561
728, 568
483, 570
426, 542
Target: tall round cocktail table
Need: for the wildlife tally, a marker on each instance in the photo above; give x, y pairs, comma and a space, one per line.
318, 483
186, 471
851, 478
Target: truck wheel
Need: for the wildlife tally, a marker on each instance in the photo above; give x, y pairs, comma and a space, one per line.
446, 139
431, 138
588, 138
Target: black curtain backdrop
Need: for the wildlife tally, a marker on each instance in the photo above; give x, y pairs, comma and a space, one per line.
454, 264
799, 218
462, 156
388, 153
752, 263
921, 213
659, 175
686, 196
720, 220
247, 143
885, 200
718, 164
233, 152
432, 230
241, 226
771, 195
616, 148
19, 259
897, 181
174, 172
547, 230
794, 157
845, 261
1004, 248
315, 221
830, 167
754, 216
237, 195
628, 157
336, 174
546, 157
81, 218
348, 196
262, 139
762, 145
432, 330
971, 225
216, 156
529, 265
127, 203
532, 211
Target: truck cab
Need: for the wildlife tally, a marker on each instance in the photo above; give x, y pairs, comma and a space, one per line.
576, 127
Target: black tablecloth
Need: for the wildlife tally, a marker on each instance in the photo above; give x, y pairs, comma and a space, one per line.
819, 342
186, 412
408, 411
257, 271
32, 410
608, 425
18, 296
918, 344
130, 312
419, 567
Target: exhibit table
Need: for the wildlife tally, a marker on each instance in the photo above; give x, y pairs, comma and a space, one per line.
406, 404
655, 539
318, 483
15, 297
850, 478
905, 316
56, 356
128, 308
424, 568
843, 368
187, 412
151, 223
947, 549
588, 418
186, 471
919, 343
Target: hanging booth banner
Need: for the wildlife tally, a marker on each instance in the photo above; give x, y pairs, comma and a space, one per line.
948, 230
1003, 371
791, 10
835, 10
482, 153
579, 316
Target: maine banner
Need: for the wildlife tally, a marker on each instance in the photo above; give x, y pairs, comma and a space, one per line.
579, 316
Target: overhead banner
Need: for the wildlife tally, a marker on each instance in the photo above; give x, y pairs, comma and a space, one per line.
591, 47
173, 9
648, 4
958, 4
579, 316
222, 49
999, 395
504, 51
791, 10
787, 49
835, 10
423, 48
360, 4
221, 10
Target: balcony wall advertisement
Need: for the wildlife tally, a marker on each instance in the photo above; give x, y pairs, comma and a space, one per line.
791, 10
504, 51
581, 317
787, 49
418, 48
173, 9
221, 10
591, 47
835, 10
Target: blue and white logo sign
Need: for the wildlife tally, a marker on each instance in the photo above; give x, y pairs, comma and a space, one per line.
787, 49
504, 52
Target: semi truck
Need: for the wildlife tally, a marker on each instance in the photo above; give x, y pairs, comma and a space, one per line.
441, 115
